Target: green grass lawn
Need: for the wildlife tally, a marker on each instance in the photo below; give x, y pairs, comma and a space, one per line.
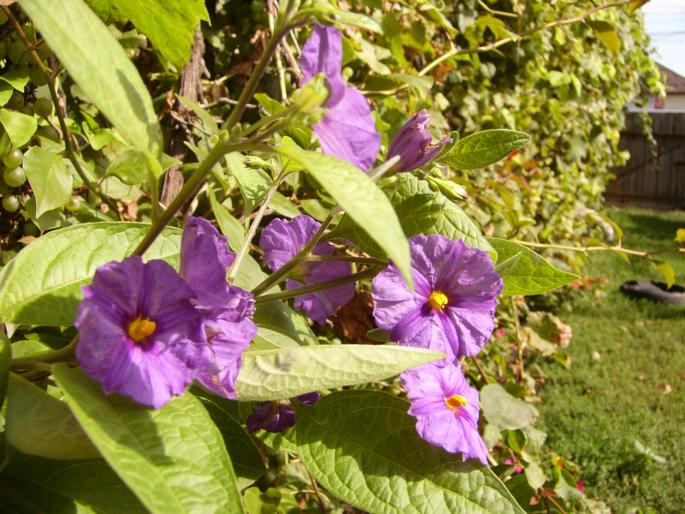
596, 410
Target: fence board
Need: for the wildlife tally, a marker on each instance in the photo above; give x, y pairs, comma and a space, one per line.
646, 180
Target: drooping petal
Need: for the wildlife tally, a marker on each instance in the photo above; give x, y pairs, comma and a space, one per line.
228, 340
322, 53
348, 130
204, 259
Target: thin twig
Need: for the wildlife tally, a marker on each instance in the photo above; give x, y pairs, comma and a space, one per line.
245, 247
328, 284
615, 248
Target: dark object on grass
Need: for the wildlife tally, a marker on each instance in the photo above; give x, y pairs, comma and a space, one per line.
655, 291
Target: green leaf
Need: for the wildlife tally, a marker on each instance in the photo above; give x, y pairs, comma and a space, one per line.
169, 24
98, 63
607, 34
287, 372
254, 183
636, 4
229, 226
421, 210
484, 148
279, 317
530, 273
89, 482
172, 458
49, 178
130, 167
5, 359
24, 496
16, 78
503, 410
42, 285
363, 447
357, 20
666, 271
359, 196
19, 127
39, 424
247, 461
680, 236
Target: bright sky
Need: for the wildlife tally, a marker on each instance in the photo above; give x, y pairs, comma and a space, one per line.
665, 21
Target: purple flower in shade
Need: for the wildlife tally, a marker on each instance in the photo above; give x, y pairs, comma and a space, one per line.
452, 308
277, 416
139, 333
413, 143
446, 409
281, 240
347, 130
225, 308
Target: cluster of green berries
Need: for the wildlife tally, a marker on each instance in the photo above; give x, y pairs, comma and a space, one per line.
13, 176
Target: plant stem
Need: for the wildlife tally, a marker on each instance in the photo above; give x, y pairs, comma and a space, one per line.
615, 248
346, 258
189, 190
237, 113
245, 247
519, 338
63, 354
68, 145
298, 291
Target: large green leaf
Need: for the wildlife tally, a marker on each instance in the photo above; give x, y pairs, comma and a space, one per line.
363, 447
278, 317
484, 148
23, 496
98, 63
88, 482
170, 24
503, 410
526, 273
360, 197
173, 458
5, 358
49, 177
421, 210
39, 424
247, 461
286, 372
19, 127
42, 285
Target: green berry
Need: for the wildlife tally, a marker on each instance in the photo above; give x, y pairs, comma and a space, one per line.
43, 107
14, 177
75, 204
10, 203
13, 158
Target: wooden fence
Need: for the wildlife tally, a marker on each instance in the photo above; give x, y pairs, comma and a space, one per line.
653, 177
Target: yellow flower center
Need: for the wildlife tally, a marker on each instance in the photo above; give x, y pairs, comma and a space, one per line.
140, 328
456, 402
438, 300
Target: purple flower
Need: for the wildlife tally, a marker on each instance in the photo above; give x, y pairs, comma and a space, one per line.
225, 308
277, 416
281, 240
452, 308
347, 130
139, 333
446, 409
413, 143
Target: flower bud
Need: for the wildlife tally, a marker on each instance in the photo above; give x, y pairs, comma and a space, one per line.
413, 143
